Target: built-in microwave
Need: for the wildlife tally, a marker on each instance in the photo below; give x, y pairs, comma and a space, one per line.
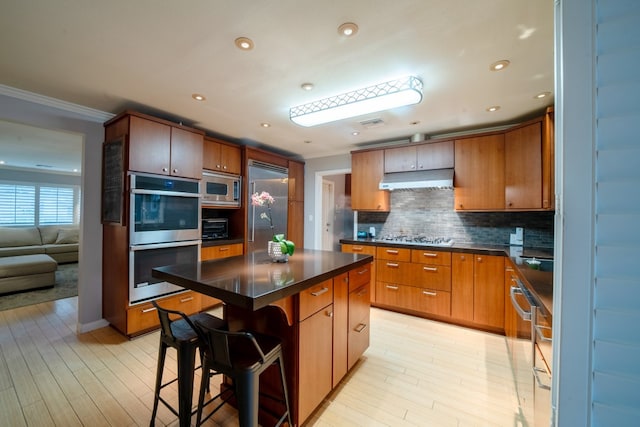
219, 189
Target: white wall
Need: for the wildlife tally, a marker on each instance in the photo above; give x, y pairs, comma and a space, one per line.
42, 112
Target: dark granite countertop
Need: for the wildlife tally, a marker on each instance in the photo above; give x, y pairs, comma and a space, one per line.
540, 283
253, 281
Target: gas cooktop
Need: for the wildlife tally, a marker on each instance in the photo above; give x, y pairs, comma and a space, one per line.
417, 240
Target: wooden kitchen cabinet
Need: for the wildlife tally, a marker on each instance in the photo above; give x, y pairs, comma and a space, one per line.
359, 323
295, 222
479, 173
523, 167
217, 252
368, 250
340, 327
157, 146
367, 170
548, 160
434, 155
144, 317
477, 289
221, 156
296, 181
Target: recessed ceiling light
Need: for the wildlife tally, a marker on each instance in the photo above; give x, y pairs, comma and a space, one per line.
307, 142
1, 162
414, 123
198, 97
307, 86
75, 170
265, 125
355, 133
493, 108
499, 65
348, 29
244, 43
542, 95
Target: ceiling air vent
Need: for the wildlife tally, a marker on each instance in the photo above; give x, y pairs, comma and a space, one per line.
372, 123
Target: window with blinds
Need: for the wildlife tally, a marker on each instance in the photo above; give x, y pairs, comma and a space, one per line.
38, 204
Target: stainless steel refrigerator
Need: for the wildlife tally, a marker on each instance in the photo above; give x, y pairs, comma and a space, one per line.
274, 180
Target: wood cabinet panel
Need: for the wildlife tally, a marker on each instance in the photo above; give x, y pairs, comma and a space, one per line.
295, 223
431, 301
431, 276
360, 276
393, 254
315, 361
435, 155
223, 251
368, 250
149, 146
428, 256
548, 160
488, 290
144, 317
315, 298
186, 153
400, 159
296, 181
523, 167
340, 327
462, 286
359, 324
367, 169
479, 173
394, 295
394, 272
221, 157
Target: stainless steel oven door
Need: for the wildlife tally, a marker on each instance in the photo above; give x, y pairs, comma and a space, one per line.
142, 258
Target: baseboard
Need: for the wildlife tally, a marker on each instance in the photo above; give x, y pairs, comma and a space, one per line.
91, 326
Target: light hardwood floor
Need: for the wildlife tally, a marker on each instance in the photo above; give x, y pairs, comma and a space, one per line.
415, 373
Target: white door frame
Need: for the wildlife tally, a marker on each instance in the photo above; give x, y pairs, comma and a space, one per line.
317, 231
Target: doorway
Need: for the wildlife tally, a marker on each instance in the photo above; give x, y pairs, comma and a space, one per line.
334, 217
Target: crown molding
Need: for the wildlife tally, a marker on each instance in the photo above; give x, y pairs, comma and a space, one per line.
88, 113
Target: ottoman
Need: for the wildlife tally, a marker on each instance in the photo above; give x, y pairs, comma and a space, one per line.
25, 272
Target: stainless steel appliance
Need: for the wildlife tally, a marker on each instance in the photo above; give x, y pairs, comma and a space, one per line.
142, 258
163, 209
274, 180
215, 228
220, 189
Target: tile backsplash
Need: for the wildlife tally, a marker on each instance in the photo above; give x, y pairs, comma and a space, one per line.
430, 212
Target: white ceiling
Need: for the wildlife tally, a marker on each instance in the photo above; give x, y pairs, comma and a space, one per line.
152, 55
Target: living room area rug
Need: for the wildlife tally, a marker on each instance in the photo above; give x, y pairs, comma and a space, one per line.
66, 286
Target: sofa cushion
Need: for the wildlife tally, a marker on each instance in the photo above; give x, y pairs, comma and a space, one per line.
26, 265
19, 236
21, 250
67, 235
58, 249
50, 233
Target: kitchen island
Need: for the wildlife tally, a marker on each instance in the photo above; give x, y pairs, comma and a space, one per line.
317, 303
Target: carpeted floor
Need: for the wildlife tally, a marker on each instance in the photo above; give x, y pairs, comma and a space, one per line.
66, 286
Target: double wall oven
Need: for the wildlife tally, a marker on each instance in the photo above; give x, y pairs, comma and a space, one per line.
164, 229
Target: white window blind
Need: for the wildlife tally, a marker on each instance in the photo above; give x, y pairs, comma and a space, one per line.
56, 205
17, 204
23, 204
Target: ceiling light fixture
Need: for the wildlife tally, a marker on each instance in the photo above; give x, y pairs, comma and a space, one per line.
348, 29
307, 86
383, 96
542, 95
265, 125
198, 97
244, 43
499, 65
493, 109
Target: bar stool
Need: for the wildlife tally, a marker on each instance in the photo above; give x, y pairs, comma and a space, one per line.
241, 356
180, 334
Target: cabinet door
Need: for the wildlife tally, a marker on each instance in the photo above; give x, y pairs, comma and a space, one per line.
295, 223
315, 353
186, 153
548, 160
435, 155
431, 276
479, 173
149, 146
367, 169
340, 326
401, 159
394, 272
432, 301
369, 250
231, 159
211, 159
394, 295
296, 181
523, 167
488, 290
462, 286
359, 324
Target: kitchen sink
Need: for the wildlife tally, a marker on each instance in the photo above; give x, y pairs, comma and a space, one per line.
540, 264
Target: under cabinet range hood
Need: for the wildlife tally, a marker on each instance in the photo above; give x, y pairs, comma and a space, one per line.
435, 178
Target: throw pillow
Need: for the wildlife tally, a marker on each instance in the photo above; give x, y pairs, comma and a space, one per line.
67, 235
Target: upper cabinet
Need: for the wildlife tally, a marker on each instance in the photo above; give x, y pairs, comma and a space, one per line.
479, 173
523, 167
157, 146
367, 169
220, 156
548, 160
435, 155
296, 181
295, 226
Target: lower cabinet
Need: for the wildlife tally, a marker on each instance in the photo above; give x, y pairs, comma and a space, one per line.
340, 326
217, 252
359, 323
144, 317
367, 250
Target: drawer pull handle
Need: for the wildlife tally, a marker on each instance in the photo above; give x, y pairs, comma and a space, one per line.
431, 294
320, 292
429, 254
360, 327
148, 310
186, 299
357, 248
392, 252
393, 265
392, 287
224, 249
329, 313
363, 271
536, 373
430, 268
362, 292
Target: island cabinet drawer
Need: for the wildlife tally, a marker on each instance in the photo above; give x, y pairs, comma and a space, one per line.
394, 272
432, 301
315, 298
394, 254
430, 257
359, 276
432, 276
145, 316
359, 249
359, 323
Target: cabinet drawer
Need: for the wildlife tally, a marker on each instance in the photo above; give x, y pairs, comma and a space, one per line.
430, 257
394, 254
432, 276
206, 301
145, 316
394, 272
359, 249
394, 295
222, 251
431, 301
359, 277
315, 298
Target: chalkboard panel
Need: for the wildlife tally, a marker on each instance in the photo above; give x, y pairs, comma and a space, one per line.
112, 181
